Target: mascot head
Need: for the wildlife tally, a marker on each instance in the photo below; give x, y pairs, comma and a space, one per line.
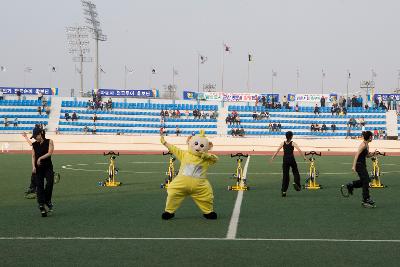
199, 143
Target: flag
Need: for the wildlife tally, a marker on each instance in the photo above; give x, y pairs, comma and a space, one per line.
176, 72
2, 68
373, 73
250, 57
28, 69
274, 73
101, 70
203, 59
53, 69
323, 74
129, 71
78, 70
227, 48
349, 74
153, 71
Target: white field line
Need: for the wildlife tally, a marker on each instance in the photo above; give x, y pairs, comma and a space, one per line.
207, 239
233, 224
66, 167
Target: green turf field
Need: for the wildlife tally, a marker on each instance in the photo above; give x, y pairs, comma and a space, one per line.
123, 227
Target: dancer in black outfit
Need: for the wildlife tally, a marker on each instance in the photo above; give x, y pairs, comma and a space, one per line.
289, 161
360, 166
42, 166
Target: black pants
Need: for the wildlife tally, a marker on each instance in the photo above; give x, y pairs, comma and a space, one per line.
363, 181
285, 167
44, 192
32, 186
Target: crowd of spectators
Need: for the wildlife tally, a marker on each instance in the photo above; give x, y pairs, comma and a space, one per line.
233, 118
275, 127
238, 132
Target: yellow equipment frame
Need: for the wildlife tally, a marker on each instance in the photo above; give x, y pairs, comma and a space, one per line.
311, 182
171, 170
110, 181
241, 182
376, 171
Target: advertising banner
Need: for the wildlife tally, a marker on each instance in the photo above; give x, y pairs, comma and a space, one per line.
385, 97
128, 93
311, 97
29, 91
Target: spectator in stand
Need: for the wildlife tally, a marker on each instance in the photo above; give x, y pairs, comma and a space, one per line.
323, 128
47, 110
296, 108
317, 128
16, 122
263, 101
85, 129
366, 106
177, 131
57, 131
74, 116
359, 101
66, 116
316, 109
254, 115
241, 132
233, 131
173, 114
187, 113
376, 101
312, 128
39, 110
40, 96
376, 133
5, 122
344, 111
382, 106
394, 103
178, 114
94, 117
333, 128
228, 119
322, 102
162, 113
237, 120
94, 131
2, 95
19, 95
279, 127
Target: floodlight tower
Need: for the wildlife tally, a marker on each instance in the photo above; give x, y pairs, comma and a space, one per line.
78, 45
89, 10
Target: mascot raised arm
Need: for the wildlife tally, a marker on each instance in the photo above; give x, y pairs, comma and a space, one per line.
192, 177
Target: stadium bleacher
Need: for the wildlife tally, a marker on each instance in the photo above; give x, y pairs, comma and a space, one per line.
22, 111
136, 118
300, 122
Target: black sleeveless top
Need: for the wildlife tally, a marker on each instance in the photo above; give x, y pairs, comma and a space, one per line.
288, 149
362, 156
40, 150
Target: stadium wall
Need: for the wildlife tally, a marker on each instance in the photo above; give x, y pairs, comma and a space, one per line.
131, 144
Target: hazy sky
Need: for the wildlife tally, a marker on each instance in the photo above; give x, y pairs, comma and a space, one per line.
335, 35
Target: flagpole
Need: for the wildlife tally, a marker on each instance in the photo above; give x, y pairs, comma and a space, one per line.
198, 72
248, 75
173, 76
272, 83
50, 76
25, 77
150, 78
125, 78
223, 59
81, 74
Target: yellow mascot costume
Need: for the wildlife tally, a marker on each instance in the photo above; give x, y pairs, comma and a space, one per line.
192, 177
